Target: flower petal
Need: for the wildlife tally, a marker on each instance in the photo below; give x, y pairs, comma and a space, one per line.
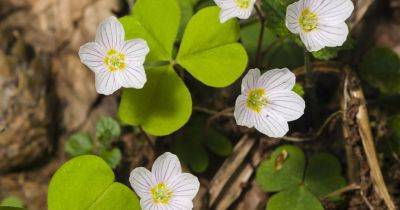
185, 186
250, 80
332, 36
166, 167
92, 55
135, 51
178, 203
292, 17
287, 104
277, 79
229, 13
107, 83
111, 34
333, 12
271, 125
142, 180
132, 77
147, 203
311, 41
243, 115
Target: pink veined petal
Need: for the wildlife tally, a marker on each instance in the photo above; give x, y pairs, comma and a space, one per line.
229, 13
135, 51
185, 186
166, 167
271, 125
292, 17
243, 115
333, 12
147, 203
132, 77
110, 34
92, 55
277, 79
332, 36
225, 4
142, 180
178, 203
107, 83
286, 104
250, 80
311, 41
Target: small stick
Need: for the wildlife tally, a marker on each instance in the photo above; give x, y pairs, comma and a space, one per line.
340, 191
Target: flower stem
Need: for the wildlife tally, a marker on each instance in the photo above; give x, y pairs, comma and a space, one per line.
261, 35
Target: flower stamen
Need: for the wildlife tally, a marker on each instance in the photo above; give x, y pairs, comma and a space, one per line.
161, 194
115, 61
243, 4
308, 20
256, 100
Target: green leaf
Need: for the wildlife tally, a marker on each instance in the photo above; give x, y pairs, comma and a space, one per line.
298, 88
283, 170
323, 175
12, 201
151, 22
87, 182
217, 143
112, 157
187, 12
328, 53
297, 198
209, 49
191, 152
79, 144
10, 208
161, 107
381, 69
285, 54
276, 12
106, 129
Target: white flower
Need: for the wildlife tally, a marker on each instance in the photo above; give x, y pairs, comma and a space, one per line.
165, 187
116, 63
267, 102
235, 8
320, 23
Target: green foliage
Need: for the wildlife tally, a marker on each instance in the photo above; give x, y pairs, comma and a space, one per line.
298, 88
297, 198
82, 144
283, 173
168, 109
329, 53
12, 201
285, 54
79, 144
10, 208
323, 175
381, 69
209, 51
276, 13
211, 54
112, 157
87, 182
249, 37
107, 129
192, 146
283, 170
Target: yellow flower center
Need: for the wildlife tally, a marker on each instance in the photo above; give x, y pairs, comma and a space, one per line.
161, 194
256, 99
308, 20
243, 4
115, 61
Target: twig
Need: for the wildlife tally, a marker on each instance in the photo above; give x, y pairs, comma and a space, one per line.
261, 35
340, 191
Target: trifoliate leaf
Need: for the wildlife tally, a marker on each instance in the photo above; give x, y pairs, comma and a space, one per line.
381, 69
209, 50
217, 143
87, 182
323, 175
283, 170
106, 129
151, 22
161, 107
112, 157
191, 152
12, 201
79, 144
187, 12
296, 198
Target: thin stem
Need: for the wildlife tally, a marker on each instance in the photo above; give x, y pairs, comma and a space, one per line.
340, 191
309, 86
261, 35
